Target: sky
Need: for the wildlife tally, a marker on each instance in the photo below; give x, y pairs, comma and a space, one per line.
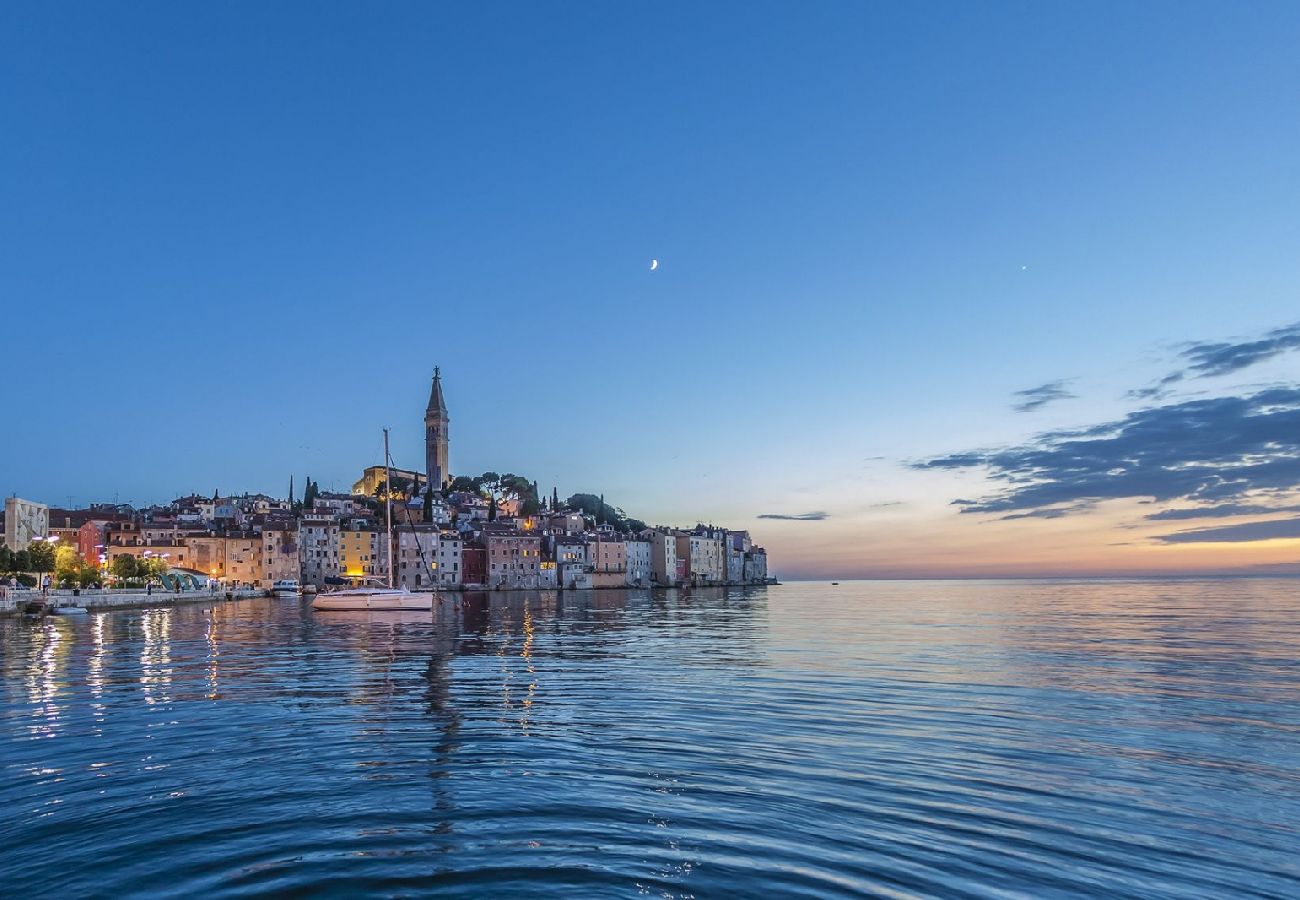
932, 277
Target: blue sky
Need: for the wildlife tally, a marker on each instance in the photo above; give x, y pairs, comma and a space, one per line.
237, 237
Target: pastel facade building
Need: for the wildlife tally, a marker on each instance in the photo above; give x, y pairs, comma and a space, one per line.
702, 549
280, 560
664, 566
243, 560
607, 558
640, 564
513, 559
415, 557
362, 552
318, 542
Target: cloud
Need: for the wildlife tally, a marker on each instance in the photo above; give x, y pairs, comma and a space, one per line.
1234, 534
1051, 512
1035, 397
800, 517
1222, 511
1216, 449
1209, 359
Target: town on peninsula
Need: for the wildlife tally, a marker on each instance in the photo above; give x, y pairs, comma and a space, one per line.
421, 531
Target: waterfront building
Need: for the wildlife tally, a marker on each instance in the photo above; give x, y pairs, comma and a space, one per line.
474, 565
428, 557
319, 549
91, 539
450, 558
548, 577
243, 554
25, 521
664, 566
362, 551
608, 560
735, 545
436, 421
513, 558
701, 549
416, 557
640, 564
280, 560
207, 553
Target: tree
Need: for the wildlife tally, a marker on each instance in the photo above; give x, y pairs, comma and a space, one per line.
22, 561
601, 512
124, 566
490, 483
67, 563
41, 556
87, 576
309, 494
465, 485
6, 559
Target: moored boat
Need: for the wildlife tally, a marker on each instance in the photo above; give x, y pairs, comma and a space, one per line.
286, 587
368, 598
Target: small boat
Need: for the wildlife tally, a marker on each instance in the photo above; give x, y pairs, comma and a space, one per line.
69, 611
833, 583
286, 587
370, 598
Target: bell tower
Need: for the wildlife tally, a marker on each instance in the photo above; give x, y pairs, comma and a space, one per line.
435, 435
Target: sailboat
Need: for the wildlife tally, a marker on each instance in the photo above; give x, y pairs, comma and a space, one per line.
374, 597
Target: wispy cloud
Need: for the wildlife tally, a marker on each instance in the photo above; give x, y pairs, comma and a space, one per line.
1208, 359
1223, 449
796, 517
1050, 512
1236, 534
1222, 511
1036, 397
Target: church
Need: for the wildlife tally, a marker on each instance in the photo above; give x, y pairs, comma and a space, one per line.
436, 469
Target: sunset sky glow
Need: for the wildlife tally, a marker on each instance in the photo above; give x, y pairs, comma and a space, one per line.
942, 290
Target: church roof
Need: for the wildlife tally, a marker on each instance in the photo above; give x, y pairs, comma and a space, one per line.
436, 404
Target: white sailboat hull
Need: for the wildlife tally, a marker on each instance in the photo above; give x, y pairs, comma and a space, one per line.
373, 600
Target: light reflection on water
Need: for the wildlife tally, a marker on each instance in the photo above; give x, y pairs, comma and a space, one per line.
1138, 738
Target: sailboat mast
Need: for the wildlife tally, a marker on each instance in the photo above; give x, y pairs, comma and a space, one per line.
388, 507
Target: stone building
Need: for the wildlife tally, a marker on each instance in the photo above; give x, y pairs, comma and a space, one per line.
318, 542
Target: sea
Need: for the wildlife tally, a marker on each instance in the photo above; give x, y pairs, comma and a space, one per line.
1051, 738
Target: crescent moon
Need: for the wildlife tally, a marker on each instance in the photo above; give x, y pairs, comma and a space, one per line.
654, 264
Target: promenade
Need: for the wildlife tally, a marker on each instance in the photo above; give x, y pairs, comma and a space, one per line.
15, 600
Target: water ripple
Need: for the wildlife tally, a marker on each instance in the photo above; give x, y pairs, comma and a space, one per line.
896, 739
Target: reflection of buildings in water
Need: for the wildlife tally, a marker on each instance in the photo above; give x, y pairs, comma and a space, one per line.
156, 655
95, 669
50, 643
211, 636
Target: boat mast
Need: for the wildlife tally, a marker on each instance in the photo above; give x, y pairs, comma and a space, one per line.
388, 507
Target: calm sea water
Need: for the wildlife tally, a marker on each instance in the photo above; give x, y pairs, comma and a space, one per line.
905, 739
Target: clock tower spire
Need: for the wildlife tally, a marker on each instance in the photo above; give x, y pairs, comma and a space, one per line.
435, 435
